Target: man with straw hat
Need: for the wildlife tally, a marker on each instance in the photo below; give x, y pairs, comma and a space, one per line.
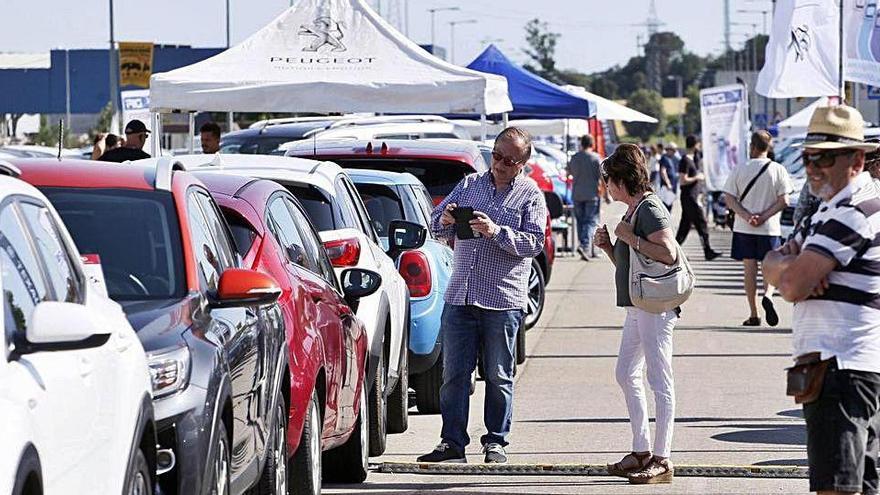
831, 271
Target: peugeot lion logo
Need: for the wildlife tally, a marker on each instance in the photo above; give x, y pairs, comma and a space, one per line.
801, 41
325, 31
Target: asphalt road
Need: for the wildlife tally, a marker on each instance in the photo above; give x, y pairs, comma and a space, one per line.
731, 405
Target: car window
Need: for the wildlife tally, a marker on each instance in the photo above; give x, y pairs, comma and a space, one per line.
382, 204
203, 246
257, 145
320, 210
346, 206
312, 243
23, 286
405, 136
286, 233
439, 135
243, 233
413, 208
363, 216
425, 203
60, 271
225, 252
439, 176
139, 246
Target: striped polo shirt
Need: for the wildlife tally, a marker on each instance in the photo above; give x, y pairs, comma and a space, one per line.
845, 321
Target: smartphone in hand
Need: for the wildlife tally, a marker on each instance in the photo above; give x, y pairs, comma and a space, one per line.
463, 216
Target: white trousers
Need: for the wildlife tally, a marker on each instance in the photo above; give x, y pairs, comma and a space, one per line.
647, 338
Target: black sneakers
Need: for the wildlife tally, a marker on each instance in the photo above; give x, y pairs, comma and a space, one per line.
710, 254
494, 454
444, 453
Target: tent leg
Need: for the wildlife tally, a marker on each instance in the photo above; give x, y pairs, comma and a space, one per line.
504, 119
192, 132
229, 121
482, 127
156, 143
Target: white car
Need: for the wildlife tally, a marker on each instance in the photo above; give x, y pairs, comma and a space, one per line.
76, 412
338, 213
393, 130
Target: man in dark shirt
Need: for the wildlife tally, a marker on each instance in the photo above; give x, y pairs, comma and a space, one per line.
135, 137
690, 177
585, 175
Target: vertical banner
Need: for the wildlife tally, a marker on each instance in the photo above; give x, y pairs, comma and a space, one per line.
723, 114
861, 27
136, 105
135, 64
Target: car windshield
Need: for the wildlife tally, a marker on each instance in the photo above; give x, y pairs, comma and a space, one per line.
252, 145
135, 233
316, 204
383, 206
439, 176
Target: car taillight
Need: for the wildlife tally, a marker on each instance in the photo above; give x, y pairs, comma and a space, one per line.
343, 252
416, 271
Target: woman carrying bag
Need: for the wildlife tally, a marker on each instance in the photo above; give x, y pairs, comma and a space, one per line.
647, 330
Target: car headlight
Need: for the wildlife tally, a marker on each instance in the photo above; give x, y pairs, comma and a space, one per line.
169, 370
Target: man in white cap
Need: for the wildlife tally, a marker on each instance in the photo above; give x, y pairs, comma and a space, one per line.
831, 270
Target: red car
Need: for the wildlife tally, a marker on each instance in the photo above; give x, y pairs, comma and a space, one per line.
327, 342
440, 164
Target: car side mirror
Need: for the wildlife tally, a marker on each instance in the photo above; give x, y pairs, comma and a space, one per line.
358, 283
404, 235
63, 325
239, 287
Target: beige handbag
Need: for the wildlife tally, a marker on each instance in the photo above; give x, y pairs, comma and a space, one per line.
656, 287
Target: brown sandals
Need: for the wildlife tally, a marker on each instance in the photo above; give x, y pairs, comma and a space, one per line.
631, 463
658, 470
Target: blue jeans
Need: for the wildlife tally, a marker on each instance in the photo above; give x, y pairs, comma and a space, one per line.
467, 331
586, 214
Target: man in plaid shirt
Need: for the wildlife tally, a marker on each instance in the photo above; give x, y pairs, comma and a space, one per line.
487, 293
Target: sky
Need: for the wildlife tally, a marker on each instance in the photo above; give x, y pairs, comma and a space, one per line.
595, 34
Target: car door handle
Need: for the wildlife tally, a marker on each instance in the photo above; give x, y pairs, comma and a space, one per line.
85, 367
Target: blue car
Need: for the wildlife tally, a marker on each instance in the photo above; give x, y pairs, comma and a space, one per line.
400, 196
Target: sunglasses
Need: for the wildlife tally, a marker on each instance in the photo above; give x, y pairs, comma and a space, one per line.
509, 162
825, 159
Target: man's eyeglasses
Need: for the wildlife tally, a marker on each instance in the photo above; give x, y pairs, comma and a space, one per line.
825, 159
509, 162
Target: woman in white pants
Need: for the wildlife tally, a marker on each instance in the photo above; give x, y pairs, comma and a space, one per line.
647, 337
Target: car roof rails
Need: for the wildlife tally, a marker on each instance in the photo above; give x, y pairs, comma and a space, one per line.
9, 169
165, 168
262, 124
386, 119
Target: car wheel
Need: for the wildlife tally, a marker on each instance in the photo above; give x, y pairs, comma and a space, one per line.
427, 386
398, 401
219, 482
304, 475
349, 463
521, 344
273, 480
378, 410
138, 481
535, 298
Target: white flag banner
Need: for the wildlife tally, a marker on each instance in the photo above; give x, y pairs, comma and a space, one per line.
802, 56
861, 26
723, 115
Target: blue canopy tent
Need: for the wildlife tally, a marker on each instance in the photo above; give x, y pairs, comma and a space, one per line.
533, 97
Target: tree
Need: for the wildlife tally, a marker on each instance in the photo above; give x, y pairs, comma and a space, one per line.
692, 122
541, 50
573, 77
650, 103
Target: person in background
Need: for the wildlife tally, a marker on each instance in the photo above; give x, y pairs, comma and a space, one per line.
584, 171
647, 337
756, 230
98, 146
831, 270
210, 134
691, 177
487, 293
135, 138
112, 141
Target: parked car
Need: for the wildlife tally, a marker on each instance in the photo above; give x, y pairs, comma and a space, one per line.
390, 196
439, 164
335, 208
328, 342
213, 332
265, 139
394, 130
76, 415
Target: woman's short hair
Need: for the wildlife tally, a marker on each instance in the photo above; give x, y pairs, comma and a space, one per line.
626, 167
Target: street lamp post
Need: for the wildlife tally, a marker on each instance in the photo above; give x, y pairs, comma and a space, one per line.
763, 13
452, 25
679, 89
114, 71
433, 11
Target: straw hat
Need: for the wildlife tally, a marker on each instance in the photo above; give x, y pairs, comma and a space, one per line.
837, 127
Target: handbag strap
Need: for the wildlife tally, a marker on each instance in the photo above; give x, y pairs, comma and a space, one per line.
754, 179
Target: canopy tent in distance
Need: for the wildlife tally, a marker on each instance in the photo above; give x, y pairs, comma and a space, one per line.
797, 124
328, 56
610, 110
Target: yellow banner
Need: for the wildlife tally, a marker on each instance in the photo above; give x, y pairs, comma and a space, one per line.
135, 64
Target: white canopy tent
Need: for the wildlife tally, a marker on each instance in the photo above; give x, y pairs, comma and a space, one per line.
796, 125
610, 110
328, 56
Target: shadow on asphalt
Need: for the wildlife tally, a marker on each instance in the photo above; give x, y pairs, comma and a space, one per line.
790, 434
681, 328
783, 462
606, 356
428, 486
677, 420
792, 413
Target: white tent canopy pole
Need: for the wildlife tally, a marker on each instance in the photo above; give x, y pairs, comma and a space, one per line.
328, 56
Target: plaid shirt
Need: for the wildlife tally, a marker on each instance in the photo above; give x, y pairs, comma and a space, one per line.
493, 273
